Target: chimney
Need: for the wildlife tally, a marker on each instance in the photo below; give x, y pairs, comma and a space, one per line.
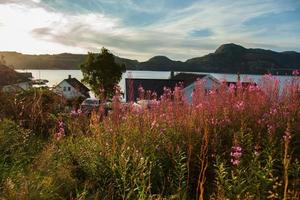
70, 76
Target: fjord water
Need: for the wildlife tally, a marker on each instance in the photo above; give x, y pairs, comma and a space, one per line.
55, 76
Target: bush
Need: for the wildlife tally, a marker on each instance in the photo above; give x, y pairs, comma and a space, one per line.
231, 143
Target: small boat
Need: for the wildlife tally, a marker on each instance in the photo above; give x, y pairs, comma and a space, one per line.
39, 81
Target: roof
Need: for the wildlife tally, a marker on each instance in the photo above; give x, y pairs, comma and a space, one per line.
154, 85
189, 78
77, 85
9, 76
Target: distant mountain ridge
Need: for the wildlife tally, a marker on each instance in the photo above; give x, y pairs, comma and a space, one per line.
228, 58
56, 61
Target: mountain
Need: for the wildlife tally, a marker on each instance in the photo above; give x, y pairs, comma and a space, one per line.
228, 58
58, 61
231, 58
160, 63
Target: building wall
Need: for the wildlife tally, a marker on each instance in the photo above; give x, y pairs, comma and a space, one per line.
17, 87
25, 85
67, 90
208, 84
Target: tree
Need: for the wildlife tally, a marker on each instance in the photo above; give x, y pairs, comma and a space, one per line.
102, 73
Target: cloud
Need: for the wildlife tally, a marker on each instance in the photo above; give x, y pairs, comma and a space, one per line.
201, 33
141, 30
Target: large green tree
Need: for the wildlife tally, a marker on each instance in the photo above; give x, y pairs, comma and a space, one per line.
102, 73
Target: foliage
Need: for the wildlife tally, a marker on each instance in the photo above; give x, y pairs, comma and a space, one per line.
231, 143
34, 109
102, 73
18, 147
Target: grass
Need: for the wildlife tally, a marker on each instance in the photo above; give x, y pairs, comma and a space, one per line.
231, 143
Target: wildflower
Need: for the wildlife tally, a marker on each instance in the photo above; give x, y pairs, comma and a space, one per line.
199, 106
273, 111
240, 105
153, 124
232, 87
271, 129
257, 150
141, 92
61, 130
211, 92
296, 72
75, 113
287, 135
236, 154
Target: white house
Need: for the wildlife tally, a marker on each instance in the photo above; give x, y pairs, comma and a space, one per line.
208, 83
17, 86
189, 79
71, 88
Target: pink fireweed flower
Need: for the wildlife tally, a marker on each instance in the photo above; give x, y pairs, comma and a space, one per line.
235, 162
257, 150
75, 113
296, 72
253, 88
211, 92
271, 129
141, 92
232, 88
154, 95
273, 111
154, 124
240, 105
199, 106
61, 130
287, 135
236, 154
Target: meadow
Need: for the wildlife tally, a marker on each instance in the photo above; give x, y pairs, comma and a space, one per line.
233, 142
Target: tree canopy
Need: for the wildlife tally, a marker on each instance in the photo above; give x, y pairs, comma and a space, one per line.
102, 73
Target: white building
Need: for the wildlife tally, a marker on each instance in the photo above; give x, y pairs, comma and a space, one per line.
17, 86
71, 88
208, 83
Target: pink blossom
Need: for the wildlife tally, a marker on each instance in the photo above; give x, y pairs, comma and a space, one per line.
257, 150
287, 135
232, 87
296, 72
236, 154
240, 105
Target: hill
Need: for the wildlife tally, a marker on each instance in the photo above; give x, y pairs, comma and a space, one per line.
228, 58
10, 76
231, 58
56, 61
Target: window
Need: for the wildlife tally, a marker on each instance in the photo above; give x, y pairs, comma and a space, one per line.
65, 89
69, 88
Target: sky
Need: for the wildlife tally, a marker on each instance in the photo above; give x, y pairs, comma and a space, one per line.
141, 29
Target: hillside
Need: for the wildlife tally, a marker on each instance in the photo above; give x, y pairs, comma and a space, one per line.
228, 58
9, 76
58, 61
231, 58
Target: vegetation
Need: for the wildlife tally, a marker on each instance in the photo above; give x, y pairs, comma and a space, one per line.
102, 73
231, 143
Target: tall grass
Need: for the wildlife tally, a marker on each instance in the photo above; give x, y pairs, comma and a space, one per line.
236, 142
